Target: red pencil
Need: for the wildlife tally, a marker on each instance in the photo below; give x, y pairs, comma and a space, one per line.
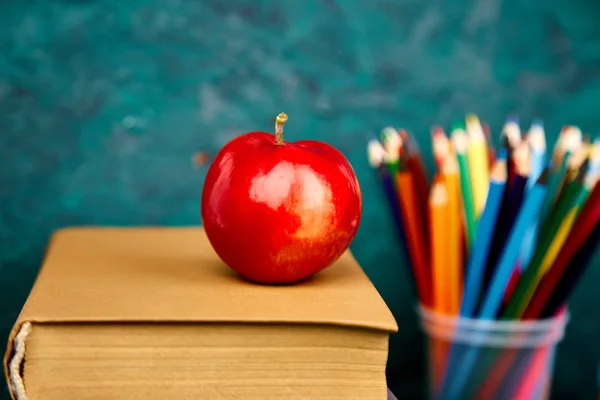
588, 218
414, 225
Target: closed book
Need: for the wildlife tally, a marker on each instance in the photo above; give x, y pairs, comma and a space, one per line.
153, 313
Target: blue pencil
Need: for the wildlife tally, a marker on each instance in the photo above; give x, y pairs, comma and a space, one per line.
485, 230
537, 141
462, 369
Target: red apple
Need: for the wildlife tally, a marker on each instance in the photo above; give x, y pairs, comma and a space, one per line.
278, 212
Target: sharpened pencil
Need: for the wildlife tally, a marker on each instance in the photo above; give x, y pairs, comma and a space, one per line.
460, 142
454, 234
511, 205
477, 154
415, 230
438, 226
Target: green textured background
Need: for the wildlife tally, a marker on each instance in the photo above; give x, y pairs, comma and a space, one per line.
103, 103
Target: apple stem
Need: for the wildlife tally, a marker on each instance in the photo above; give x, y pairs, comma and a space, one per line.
279, 122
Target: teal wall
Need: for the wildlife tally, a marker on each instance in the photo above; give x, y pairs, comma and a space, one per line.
103, 104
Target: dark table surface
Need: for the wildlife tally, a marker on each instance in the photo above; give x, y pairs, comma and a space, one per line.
104, 103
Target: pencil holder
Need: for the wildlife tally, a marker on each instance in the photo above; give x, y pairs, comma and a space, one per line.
490, 360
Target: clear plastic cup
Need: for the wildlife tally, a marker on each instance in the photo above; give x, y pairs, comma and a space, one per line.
490, 360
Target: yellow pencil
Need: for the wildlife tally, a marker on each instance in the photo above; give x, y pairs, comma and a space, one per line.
438, 227
454, 232
477, 156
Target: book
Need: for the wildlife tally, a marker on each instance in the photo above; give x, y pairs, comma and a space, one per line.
153, 313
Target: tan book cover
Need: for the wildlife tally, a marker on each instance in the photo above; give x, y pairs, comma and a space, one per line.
104, 276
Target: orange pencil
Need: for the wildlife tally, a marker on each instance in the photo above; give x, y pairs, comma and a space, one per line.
415, 233
454, 234
438, 228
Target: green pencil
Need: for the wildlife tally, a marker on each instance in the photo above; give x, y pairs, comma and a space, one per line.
573, 196
460, 141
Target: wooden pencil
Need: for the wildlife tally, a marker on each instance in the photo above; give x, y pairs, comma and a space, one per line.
536, 138
485, 230
460, 142
438, 226
511, 205
454, 234
478, 163
588, 219
415, 230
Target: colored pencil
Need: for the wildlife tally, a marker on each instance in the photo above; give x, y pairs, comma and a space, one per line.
454, 234
487, 223
392, 143
537, 141
511, 136
559, 223
569, 142
440, 146
536, 138
584, 226
438, 226
506, 263
460, 142
409, 207
477, 155
511, 204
